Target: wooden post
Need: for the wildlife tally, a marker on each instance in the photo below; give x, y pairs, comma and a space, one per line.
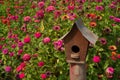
77, 71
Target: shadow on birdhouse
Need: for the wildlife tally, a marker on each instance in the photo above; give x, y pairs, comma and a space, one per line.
76, 42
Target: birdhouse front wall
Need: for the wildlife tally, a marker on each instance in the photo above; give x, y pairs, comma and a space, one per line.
76, 46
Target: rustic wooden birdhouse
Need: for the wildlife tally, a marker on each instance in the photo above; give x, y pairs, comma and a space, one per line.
76, 42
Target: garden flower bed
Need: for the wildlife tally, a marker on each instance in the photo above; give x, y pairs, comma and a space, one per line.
30, 32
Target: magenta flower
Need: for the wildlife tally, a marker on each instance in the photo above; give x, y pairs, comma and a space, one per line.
72, 16
57, 13
27, 39
13, 17
71, 7
5, 51
48, 73
112, 17
110, 70
56, 28
43, 76
103, 41
112, 6
41, 63
8, 68
41, 4
13, 46
39, 14
96, 59
46, 40
50, 8
26, 57
37, 35
116, 19
20, 67
11, 54
20, 51
27, 19
21, 75
99, 8
58, 44
20, 44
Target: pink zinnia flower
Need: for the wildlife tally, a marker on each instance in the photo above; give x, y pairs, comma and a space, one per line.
11, 54
58, 44
96, 59
26, 57
71, 7
103, 41
41, 4
41, 63
116, 19
57, 28
20, 67
27, 19
50, 8
21, 75
99, 8
39, 14
20, 44
57, 13
27, 39
37, 35
110, 70
43, 76
20, 51
5, 51
7, 68
13, 46
46, 40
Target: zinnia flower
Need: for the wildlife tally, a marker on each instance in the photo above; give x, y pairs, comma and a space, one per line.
71, 7
5, 51
57, 28
21, 75
27, 19
99, 8
50, 8
27, 39
41, 63
41, 4
103, 41
37, 35
96, 59
112, 47
46, 40
43, 76
7, 68
93, 24
26, 57
39, 14
109, 72
58, 44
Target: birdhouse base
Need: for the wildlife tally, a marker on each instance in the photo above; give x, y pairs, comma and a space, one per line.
77, 71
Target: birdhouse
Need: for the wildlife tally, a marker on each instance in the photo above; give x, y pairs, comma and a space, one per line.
76, 42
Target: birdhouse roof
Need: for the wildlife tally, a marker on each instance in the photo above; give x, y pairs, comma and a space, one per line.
89, 35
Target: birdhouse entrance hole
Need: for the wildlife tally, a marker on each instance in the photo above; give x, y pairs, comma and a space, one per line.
75, 49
